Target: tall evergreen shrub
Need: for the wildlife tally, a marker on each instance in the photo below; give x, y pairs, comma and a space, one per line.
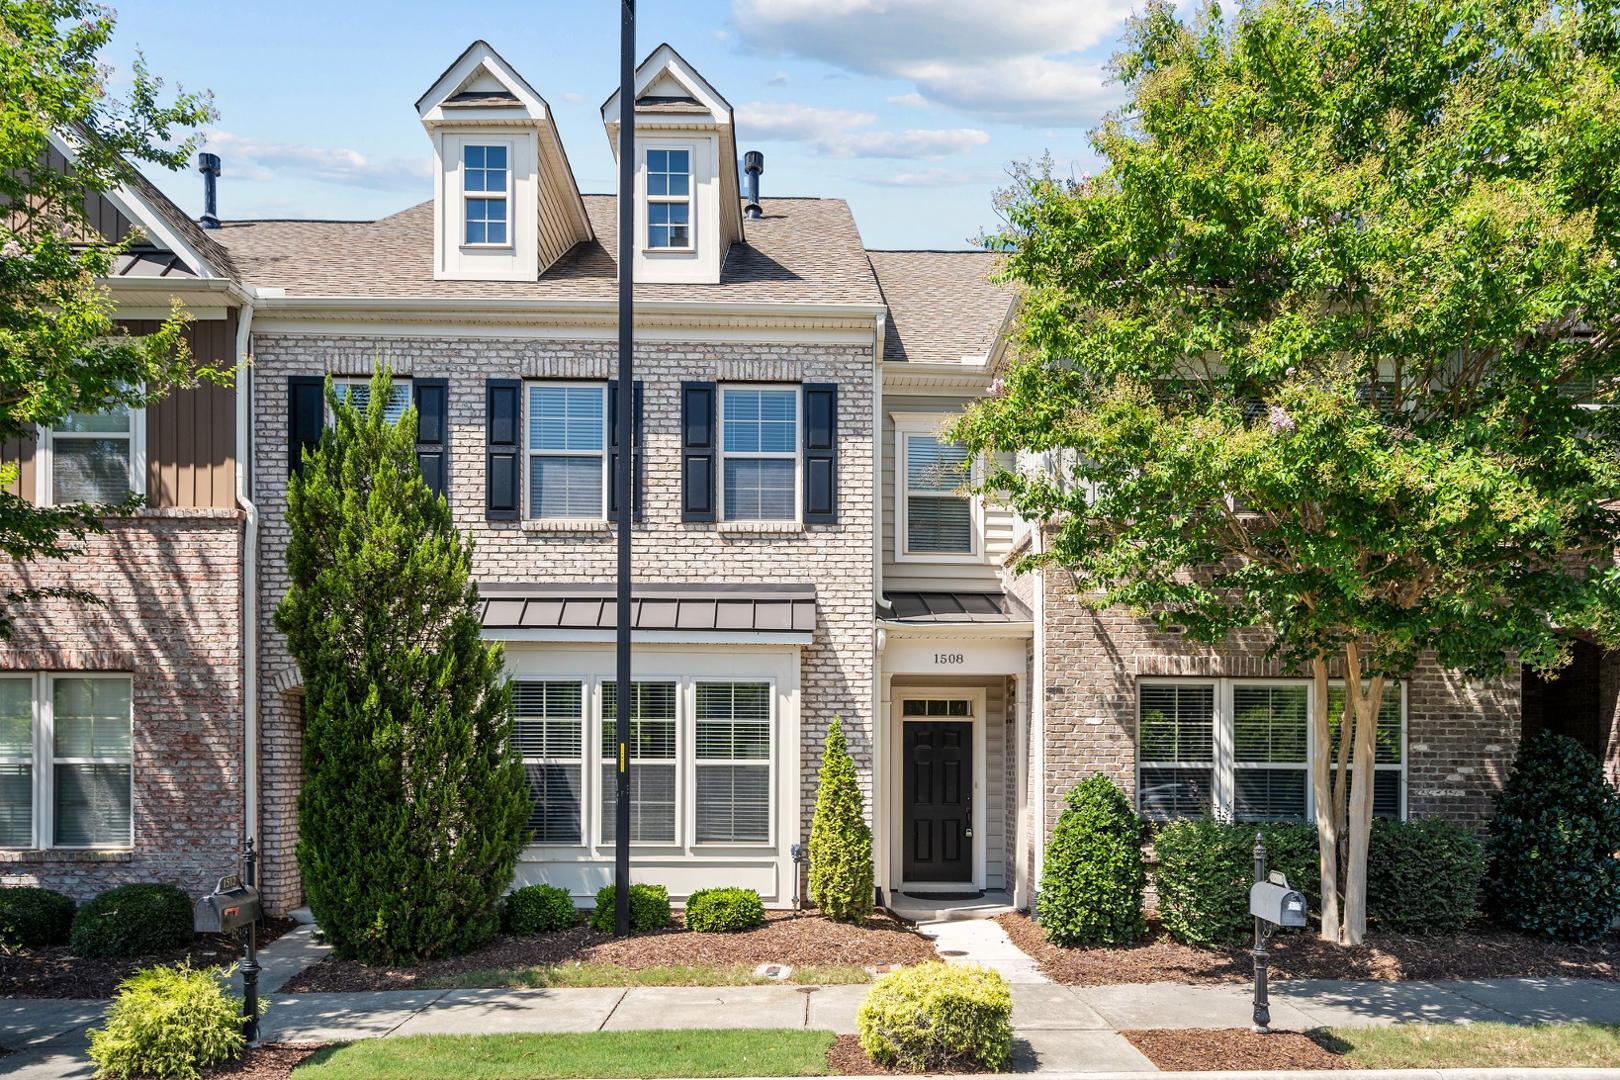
840, 839
413, 807
1094, 876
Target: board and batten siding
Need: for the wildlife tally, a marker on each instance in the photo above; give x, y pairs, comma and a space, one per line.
1000, 523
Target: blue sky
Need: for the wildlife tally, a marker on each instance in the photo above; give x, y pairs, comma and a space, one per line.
909, 109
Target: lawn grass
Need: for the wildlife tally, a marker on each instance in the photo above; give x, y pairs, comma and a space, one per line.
1483, 1045
600, 974
745, 1052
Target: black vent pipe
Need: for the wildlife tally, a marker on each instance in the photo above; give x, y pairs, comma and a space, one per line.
753, 165
208, 165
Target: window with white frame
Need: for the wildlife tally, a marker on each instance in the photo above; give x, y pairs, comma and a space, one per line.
733, 750
79, 728
567, 450
759, 453
486, 187
653, 772
937, 514
1242, 748
93, 457
548, 732
357, 392
669, 199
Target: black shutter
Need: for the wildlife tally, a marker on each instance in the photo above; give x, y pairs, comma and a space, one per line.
306, 415
820, 453
503, 471
433, 431
697, 451
613, 452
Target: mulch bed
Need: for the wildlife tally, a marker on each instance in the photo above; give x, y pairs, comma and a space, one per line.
1202, 1050
786, 938
56, 973
268, 1061
846, 1058
1478, 954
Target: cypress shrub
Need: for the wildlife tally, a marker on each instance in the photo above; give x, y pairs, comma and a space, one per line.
1206, 868
649, 909
33, 918
840, 839
1094, 877
168, 1022
937, 1017
1552, 843
132, 920
413, 807
715, 911
540, 909
1423, 876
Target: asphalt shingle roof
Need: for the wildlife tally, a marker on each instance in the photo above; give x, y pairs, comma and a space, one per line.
942, 304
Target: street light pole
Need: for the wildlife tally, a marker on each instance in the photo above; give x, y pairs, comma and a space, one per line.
623, 473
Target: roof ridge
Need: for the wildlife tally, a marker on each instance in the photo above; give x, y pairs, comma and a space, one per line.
931, 251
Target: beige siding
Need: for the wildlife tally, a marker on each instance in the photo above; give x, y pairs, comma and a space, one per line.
191, 434
558, 230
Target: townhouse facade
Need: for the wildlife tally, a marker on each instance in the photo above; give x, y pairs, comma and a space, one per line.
804, 547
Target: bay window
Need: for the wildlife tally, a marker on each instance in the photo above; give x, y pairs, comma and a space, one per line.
66, 761
759, 453
653, 772
733, 762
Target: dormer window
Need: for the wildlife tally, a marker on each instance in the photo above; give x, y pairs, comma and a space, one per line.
485, 184
669, 199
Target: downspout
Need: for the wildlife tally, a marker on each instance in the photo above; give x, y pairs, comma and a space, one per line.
1037, 715
881, 826
250, 581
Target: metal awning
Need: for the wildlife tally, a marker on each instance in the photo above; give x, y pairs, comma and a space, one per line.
655, 606
954, 607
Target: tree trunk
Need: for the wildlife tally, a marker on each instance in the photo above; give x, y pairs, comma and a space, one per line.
1361, 794
1327, 820
1341, 795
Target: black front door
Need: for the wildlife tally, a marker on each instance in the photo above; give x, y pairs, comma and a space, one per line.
938, 794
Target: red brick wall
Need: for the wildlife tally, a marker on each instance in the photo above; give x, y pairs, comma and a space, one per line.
171, 586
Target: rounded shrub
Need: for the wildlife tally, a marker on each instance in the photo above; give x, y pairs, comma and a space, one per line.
1094, 877
168, 1022
540, 909
33, 918
1553, 870
715, 911
1206, 868
649, 909
132, 920
840, 881
1423, 876
936, 1017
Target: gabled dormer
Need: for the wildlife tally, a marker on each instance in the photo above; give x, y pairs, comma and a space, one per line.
505, 203
688, 213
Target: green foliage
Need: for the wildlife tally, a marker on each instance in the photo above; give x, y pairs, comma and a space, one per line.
1552, 844
713, 911
133, 920
1423, 876
540, 909
32, 918
1205, 870
60, 351
413, 807
168, 1022
649, 909
840, 839
937, 1017
1094, 877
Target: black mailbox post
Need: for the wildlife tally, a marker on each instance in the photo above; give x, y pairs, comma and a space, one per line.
1273, 904
235, 902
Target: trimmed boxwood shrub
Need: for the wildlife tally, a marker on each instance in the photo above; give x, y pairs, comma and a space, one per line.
33, 918
713, 911
540, 909
935, 1017
1423, 876
1094, 877
1552, 844
168, 1022
1205, 870
649, 909
132, 920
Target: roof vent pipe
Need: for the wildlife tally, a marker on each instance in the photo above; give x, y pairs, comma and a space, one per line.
208, 165
753, 165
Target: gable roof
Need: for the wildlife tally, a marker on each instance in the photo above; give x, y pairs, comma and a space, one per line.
943, 306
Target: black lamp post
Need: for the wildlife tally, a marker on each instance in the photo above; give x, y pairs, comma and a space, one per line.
627, 255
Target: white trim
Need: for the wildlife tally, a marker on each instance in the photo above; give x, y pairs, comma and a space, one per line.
796, 454
896, 799
693, 763
45, 461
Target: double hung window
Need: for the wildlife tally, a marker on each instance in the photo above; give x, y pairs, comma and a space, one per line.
759, 451
357, 392
548, 731
653, 773
1175, 749
93, 457
1389, 749
567, 450
669, 199
938, 514
733, 762
66, 761
486, 189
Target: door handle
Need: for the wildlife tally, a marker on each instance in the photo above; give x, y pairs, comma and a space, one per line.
968, 832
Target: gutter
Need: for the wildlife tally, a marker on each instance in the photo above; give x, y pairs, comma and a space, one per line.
250, 580
268, 300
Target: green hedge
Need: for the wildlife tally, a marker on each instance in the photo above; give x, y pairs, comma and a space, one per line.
133, 920
1423, 877
33, 918
935, 1017
649, 909
540, 909
1205, 870
1094, 876
168, 1022
714, 911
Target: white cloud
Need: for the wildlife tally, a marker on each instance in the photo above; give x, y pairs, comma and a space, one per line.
261, 159
1004, 61
845, 132
573, 98
912, 100
933, 178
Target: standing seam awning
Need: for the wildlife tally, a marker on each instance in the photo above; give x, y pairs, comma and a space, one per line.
677, 606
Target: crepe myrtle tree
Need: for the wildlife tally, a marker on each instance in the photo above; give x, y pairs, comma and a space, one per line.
1316, 351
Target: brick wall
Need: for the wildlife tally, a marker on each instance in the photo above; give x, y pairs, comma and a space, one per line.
837, 667
170, 582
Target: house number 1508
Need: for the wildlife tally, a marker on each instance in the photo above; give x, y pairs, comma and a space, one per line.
947, 658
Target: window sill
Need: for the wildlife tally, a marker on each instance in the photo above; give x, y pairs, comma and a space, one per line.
759, 527
66, 855
566, 525
943, 559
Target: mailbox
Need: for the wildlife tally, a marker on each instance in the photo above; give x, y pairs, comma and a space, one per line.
233, 904
1277, 904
